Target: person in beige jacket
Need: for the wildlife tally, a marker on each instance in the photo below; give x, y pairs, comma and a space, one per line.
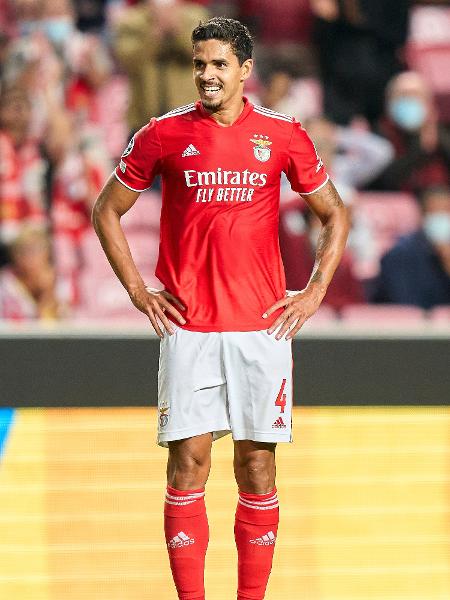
153, 45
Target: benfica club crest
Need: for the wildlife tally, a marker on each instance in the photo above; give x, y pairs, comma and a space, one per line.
261, 148
163, 416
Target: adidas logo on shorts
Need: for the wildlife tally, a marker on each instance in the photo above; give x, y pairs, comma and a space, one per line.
279, 424
268, 539
180, 540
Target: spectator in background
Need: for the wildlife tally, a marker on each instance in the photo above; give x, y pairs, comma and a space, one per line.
354, 157
79, 168
4, 45
90, 15
421, 143
358, 42
25, 14
417, 269
282, 92
283, 32
276, 93
22, 168
62, 77
50, 47
152, 44
298, 259
89, 69
28, 285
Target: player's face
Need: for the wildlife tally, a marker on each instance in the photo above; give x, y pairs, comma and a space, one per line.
218, 76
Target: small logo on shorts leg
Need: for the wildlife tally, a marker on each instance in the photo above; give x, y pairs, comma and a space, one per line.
163, 416
279, 424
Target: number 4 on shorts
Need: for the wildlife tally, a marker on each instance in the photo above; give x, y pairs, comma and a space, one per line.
281, 398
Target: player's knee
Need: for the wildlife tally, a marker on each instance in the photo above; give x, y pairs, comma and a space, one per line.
187, 470
255, 474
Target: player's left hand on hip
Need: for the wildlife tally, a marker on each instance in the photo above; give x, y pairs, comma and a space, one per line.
299, 307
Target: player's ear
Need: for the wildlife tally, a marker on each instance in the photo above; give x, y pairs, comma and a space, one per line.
246, 69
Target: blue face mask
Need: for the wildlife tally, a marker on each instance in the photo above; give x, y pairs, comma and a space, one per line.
58, 30
437, 227
408, 113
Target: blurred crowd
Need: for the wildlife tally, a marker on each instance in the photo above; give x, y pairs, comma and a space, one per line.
369, 79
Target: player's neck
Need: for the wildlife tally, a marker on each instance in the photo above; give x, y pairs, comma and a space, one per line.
228, 115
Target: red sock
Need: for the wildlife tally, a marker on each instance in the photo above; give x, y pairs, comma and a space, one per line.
255, 532
186, 529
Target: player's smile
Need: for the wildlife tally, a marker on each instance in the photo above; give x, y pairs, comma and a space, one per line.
210, 90
218, 75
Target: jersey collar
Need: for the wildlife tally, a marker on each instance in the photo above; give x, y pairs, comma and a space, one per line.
248, 107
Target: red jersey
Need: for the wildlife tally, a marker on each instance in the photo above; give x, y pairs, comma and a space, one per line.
219, 251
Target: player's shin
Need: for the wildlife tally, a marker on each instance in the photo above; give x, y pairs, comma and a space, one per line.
187, 534
255, 531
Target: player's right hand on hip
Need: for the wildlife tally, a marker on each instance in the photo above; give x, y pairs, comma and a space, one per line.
155, 303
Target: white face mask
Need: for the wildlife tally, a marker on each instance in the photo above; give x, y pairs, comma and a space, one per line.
437, 227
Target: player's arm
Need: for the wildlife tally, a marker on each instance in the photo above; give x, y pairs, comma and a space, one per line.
329, 208
113, 202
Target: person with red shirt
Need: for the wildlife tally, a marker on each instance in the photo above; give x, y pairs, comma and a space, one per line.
22, 169
224, 295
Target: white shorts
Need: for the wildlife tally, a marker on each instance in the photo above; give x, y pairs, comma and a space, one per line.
222, 382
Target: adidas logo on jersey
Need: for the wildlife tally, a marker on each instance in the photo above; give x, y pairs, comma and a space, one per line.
268, 539
279, 424
191, 150
180, 540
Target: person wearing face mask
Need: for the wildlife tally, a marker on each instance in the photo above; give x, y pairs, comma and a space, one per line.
298, 251
421, 143
417, 269
53, 18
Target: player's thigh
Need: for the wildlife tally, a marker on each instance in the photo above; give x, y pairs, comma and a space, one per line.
259, 383
191, 386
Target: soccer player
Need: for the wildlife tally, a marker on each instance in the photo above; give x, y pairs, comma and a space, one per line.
224, 317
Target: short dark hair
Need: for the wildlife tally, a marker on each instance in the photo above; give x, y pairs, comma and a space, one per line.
432, 190
227, 30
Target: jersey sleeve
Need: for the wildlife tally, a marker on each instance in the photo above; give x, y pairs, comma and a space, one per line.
305, 169
141, 160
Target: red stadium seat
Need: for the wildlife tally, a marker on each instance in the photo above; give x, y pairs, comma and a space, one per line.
440, 314
324, 317
144, 214
104, 298
392, 214
389, 215
428, 52
382, 316
112, 107
100, 293
429, 25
